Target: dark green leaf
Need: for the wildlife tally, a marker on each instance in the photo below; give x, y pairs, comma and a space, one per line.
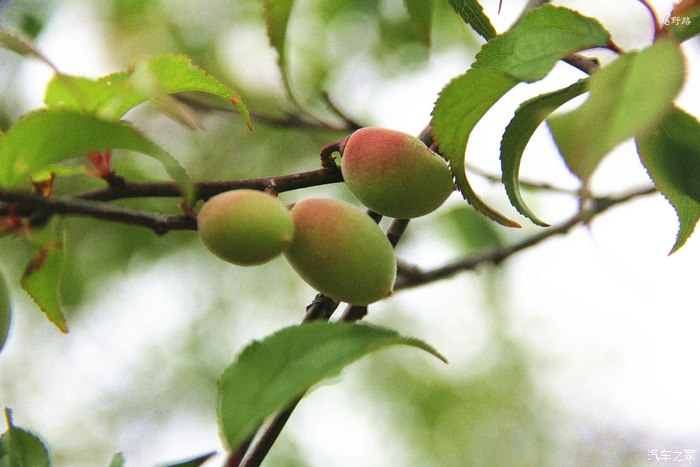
5, 311
527, 118
46, 136
42, 276
671, 155
20, 448
277, 13
629, 97
473, 14
22, 46
271, 373
546, 35
421, 14
194, 462
118, 460
111, 96
525, 53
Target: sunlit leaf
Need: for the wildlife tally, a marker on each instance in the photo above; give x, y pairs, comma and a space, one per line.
118, 460
46, 136
525, 53
193, 462
527, 118
271, 373
20, 448
277, 14
5, 310
421, 15
20, 45
473, 14
42, 276
111, 96
684, 21
629, 97
671, 155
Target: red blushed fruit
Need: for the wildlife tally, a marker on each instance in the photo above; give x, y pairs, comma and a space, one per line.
341, 252
394, 173
245, 227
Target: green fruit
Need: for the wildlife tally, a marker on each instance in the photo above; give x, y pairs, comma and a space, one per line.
341, 252
245, 227
5, 311
394, 173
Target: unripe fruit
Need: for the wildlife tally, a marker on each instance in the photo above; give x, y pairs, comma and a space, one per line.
5, 311
394, 173
341, 252
245, 227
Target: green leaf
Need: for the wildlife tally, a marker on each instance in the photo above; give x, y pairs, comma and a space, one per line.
629, 97
193, 462
47, 136
277, 14
20, 45
5, 311
671, 155
527, 118
118, 460
421, 14
42, 276
20, 448
473, 14
270, 374
525, 53
544, 36
684, 21
111, 96
472, 231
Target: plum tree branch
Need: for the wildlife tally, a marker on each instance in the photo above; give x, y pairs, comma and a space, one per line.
412, 276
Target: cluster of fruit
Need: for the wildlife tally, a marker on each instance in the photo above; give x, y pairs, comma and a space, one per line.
334, 246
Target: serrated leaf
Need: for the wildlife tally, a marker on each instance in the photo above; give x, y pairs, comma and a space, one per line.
21, 45
118, 460
525, 53
41, 279
544, 36
421, 14
193, 462
277, 14
473, 14
528, 117
111, 96
21, 448
671, 155
5, 311
47, 136
271, 373
629, 97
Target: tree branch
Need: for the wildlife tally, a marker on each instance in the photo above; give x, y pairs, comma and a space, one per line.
412, 276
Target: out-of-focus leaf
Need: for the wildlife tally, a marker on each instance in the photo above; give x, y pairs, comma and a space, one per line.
525, 53
111, 96
194, 462
473, 14
47, 136
277, 13
15, 42
5, 311
684, 21
544, 36
629, 97
527, 118
271, 373
471, 230
42, 276
671, 155
118, 460
20, 448
421, 14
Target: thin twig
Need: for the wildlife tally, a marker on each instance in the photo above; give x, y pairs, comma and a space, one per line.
412, 276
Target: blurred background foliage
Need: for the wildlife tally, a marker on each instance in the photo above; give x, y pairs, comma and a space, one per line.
162, 318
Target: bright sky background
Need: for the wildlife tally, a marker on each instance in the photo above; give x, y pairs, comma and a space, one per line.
614, 320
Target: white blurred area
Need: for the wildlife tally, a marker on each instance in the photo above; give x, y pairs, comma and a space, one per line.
612, 320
